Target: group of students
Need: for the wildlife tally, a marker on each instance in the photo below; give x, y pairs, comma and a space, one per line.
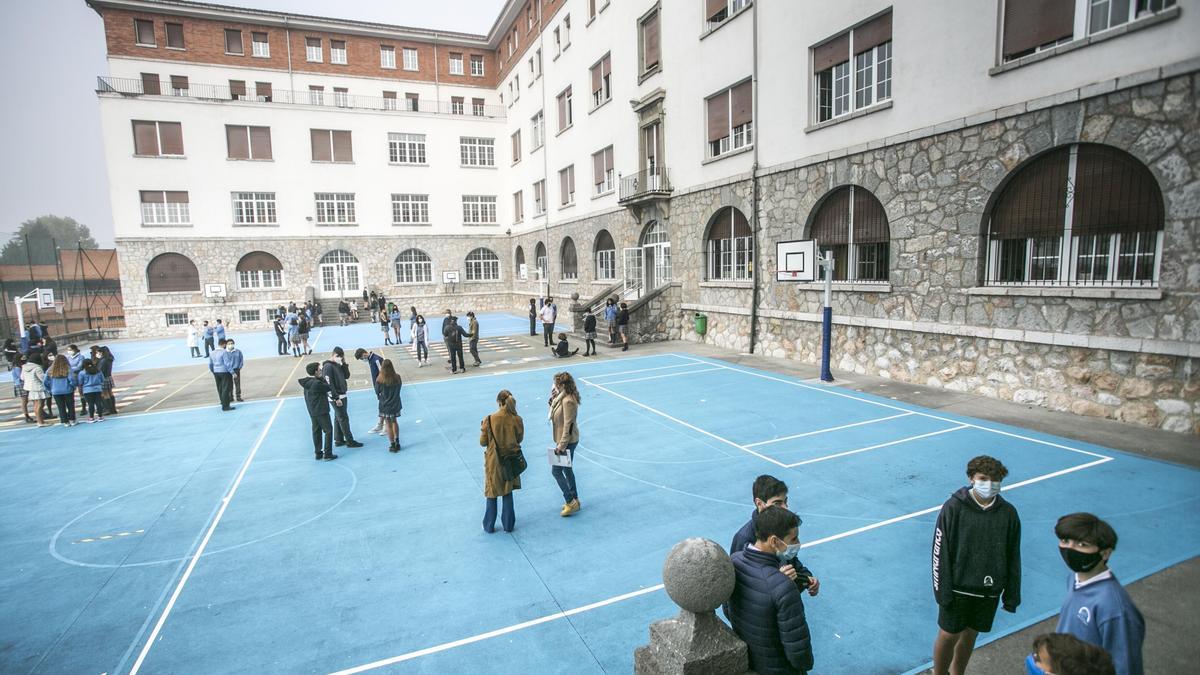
292, 325
976, 567
208, 335
50, 380
615, 314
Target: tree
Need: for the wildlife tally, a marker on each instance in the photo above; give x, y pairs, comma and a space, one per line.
44, 233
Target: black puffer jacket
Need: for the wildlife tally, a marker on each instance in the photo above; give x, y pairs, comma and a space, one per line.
335, 376
767, 612
977, 551
316, 396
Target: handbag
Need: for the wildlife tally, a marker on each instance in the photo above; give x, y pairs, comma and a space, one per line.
511, 466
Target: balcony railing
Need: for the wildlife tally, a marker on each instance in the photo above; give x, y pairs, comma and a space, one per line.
645, 183
128, 86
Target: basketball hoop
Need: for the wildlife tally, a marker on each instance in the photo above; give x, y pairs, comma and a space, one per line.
214, 293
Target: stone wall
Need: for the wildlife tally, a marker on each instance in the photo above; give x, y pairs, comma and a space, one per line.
656, 316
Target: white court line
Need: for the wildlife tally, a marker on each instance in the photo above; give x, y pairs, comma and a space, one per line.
826, 390
187, 573
822, 431
139, 358
874, 447
643, 370
657, 377
189, 383
626, 596
292, 372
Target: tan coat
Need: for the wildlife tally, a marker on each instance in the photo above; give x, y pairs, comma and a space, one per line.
563, 410
508, 430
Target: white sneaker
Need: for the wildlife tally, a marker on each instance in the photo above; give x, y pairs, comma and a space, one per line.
376, 430
382, 432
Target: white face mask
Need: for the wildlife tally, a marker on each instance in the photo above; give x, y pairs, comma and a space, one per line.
987, 488
229, 348
792, 551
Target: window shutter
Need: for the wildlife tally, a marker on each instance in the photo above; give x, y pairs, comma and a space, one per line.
606, 66
233, 41
571, 178
177, 197
1114, 192
608, 158
741, 227
477, 103
145, 138
237, 88
1034, 203
597, 77
343, 149
145, 31
150, 84
562, 111
456, 101
562, 187
389, 95
179, 82
237, 141
831, 53
263, 89
175, 35
172, 137
152, 196
598, 168
172, 272
260, 142
259, 260
650, 39
831, 226
714, 7
718, 117
320, 145
870, 221
743, 103
1029, 23
873, 33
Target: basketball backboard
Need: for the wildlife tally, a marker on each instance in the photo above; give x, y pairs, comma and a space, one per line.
796, 260
45, 298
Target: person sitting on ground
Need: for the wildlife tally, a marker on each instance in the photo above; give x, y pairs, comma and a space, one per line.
1065, 654
562, 350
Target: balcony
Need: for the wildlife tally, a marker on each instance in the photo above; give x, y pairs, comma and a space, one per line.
127, 86
645, 185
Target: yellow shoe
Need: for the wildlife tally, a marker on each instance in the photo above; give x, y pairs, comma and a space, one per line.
566, 510
575, 505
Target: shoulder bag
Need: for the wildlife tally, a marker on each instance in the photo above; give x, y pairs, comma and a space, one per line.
512, 465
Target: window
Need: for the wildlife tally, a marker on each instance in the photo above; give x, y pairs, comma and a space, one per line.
537, 66
412, 102
257, 270
566, 186
389, 100
410, 209
603, 176
248, 142
565, 118
730, 246
516, 146
557, 43
237, 89
263, 91
1077, 215
601, 82
175, 36
539, 198
1105, 14
172, 273
312, 50
177, 318
718, 12
606, 256
316, 95
337, 52
456, 105
520, 262
851, 224
413, 266
260, 45
483, 265
341, 97
529, 18
476, 65
569, 259
249, 315
157, 139
731, 119
143, 32
335, 208
648, 37
518, 206
1034, 25
477, 151
179, 85
566, 31
331, 145
516, 83
539, 260
456, 64
844, 84
165, 208
410, 58
150, 84
477, 107
233, 42
406, 148
479, 209
387, 57
591, 9
254, 208
537, 127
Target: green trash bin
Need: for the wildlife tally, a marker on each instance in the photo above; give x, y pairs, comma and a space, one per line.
701, 323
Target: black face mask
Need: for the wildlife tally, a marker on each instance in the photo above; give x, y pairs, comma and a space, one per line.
1079, 561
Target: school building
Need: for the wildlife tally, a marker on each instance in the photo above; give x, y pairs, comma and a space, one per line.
1010, 188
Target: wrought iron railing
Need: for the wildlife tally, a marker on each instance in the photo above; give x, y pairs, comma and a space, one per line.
647, 181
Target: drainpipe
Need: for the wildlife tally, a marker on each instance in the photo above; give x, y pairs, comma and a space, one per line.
437, 82
546, 157
754, 267
288, 38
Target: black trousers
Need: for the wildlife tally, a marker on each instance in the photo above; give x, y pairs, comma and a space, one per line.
66, 407
341, 423
456, 356
548, 333
282, 347
322, 434
224, 388
474, 346
533, 325
237, 384
209, 345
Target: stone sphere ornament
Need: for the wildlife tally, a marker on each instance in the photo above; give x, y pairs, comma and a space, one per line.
575, 297
698, 575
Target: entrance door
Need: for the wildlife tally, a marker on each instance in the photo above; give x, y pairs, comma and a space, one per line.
633, 272
650, 144
340, 275
657, 265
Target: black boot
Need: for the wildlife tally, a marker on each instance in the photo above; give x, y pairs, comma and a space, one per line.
320, 455
394, 447
330, 455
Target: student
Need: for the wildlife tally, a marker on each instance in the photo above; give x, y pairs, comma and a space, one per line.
388, 386
1097, 608
610, 317
280, 336
549, 315
564, 408
769, 491
316, 312
384, 325
221, 368
91, 381
343, 313
623, 326
294, 335
105, 361
533, 316
335, 371
589, 334
193, 339
236, 361
33, 379
303, 328
500, 434
766, 609
316, 399
1065, 654
976, 559
452, 335
397, 321
562, 350
374, 363
208, 334
354, 310
420, 336
412, 323
61, 383
219, 331
19, 390
473, 338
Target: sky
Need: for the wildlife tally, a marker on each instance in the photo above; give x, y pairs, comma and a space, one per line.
49, 121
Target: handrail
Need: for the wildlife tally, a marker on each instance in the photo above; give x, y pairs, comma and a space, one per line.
646, 181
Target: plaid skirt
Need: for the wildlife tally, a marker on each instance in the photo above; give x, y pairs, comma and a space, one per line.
108, 383
19, 391
590, 335
37, 395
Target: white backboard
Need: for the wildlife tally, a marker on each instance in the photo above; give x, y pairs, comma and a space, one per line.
796, 260
450, 277
214, 290
45, 298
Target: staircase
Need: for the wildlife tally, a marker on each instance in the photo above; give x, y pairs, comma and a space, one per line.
595, 306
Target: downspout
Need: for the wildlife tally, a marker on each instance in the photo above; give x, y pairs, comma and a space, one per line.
437, 83
288, 38
754, 265
546, 157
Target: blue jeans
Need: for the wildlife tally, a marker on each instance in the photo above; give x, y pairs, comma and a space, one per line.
1031, 667
565, 475
508, 518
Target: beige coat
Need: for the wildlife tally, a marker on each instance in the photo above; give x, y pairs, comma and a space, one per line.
563, 410
507, 430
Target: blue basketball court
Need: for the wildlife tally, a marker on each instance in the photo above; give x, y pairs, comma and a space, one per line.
199, 541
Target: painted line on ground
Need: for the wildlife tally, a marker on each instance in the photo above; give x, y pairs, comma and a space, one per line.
877, 446
139, 358
643, 370
189, 383
187, 573
822, 431
658, 377
292, 372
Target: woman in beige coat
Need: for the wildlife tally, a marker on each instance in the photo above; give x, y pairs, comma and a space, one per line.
501, 434
564, 407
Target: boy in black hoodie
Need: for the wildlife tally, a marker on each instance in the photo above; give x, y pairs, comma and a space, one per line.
976, 559
335, 371
316, 398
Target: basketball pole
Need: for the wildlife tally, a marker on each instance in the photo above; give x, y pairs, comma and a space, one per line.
827, 316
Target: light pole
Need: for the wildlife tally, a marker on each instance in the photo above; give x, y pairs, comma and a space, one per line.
827, 265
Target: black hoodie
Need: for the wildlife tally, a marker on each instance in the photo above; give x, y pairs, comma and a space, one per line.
977, 551
335, 376
316, 396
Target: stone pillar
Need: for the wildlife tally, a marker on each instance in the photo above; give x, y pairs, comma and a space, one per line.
577, 313
699, 578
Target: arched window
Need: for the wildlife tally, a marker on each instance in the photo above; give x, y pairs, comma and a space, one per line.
851, 224
520, 259
483, 265
539, 260
568, 259
606, 256
653, 265
730, 246
340, 273
259, 269
1080, 214
172, 273
655, 233
413, 266
338, 256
